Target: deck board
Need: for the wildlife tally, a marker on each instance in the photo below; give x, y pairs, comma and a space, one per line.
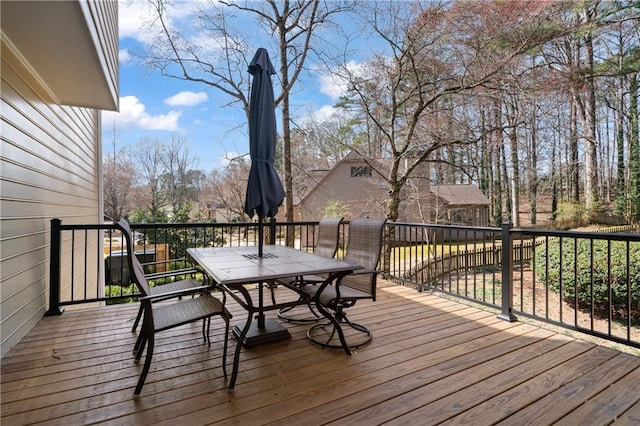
431, 361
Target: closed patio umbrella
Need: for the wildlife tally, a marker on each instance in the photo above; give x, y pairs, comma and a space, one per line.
264, 189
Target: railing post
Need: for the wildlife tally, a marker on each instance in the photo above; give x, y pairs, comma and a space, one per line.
54, 270
507, 274
272, 230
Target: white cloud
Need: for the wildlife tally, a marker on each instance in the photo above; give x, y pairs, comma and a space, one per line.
186, 99
134, 16
335, 82
133, 114
225, 159
124, 56
325, 113
131, 14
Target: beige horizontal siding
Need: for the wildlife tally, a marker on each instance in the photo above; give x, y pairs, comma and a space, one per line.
50, 168
102, 19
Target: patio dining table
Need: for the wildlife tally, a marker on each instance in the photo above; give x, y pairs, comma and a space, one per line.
232, 268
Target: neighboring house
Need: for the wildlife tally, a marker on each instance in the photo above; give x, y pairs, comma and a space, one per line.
220, 213
353, 185
460, 205
59, 69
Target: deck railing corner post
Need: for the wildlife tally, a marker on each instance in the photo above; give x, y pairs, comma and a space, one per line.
54, 269
506, 313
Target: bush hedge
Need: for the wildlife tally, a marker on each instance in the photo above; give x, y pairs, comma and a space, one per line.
608, 272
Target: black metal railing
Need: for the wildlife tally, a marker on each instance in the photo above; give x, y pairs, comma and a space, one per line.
587, 281
88, 261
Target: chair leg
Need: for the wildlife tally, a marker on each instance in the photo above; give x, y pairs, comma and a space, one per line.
137, 321
206, 327
140, 350
272, 286
224, 349
147, 365
138, 342
336, 327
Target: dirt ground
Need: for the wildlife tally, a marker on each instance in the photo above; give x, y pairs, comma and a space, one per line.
532, 297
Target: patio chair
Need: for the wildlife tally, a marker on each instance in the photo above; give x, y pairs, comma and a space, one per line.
167, 289
160, 317
327, 246
363, 248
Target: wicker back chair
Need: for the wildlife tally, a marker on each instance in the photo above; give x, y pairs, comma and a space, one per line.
164, 316
326, 246
363, 248
168, 288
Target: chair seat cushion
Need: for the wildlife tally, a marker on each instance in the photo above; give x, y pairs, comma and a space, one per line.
186, 311
347, 292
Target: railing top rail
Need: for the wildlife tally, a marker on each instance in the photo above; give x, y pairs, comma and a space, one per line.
92, 226
441, 226
615, 236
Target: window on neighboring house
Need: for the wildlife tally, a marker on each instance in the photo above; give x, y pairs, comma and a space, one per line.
361, 171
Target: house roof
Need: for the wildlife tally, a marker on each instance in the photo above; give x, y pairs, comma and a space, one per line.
460, 195
351, 157
71, 47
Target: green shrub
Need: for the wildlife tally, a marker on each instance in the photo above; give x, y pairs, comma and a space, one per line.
116, 290
608, 272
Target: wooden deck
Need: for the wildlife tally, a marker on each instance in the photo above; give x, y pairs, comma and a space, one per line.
431, 361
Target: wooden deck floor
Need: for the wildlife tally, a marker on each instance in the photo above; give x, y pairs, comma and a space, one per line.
431, 361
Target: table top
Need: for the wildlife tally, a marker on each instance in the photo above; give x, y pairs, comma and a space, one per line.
241, 265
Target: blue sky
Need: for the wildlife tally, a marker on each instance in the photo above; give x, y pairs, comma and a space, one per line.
152, 106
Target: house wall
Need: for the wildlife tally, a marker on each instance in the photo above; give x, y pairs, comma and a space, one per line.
50, 157
366, 196
50, 162
362, 196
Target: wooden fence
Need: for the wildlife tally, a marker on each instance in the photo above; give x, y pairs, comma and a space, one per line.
484, 258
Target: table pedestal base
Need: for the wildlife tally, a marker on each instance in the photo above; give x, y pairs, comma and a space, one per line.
273, 331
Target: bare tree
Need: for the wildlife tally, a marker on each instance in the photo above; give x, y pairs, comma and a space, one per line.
118, 183
437, 53
148, 155
181, 179
227, 190
295, 24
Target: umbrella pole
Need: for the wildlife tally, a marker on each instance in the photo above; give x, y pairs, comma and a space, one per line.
260, 236
260, 296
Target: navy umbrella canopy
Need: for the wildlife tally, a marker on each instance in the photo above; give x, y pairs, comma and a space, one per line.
264, 189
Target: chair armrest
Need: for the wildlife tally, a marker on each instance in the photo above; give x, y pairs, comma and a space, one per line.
177, 293
190, 268
171, 273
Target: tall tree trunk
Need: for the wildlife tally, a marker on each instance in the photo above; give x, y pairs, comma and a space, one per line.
515, 179
497, 144
497, 186
554, 180
512, 115
484, 160
505, 181
286, 133
621, 190
533, 166
591, 187
574, 170
634, 150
